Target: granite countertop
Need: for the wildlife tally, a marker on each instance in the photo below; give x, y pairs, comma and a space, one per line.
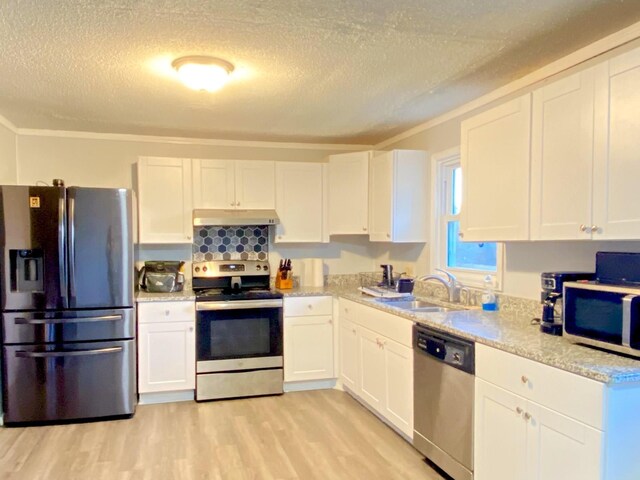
186, 295
515, 334
505, 331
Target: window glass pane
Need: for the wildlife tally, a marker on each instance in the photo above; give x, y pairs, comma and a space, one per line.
471, 255
456, 190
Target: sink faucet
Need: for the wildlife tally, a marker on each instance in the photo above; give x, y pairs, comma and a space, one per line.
449, 281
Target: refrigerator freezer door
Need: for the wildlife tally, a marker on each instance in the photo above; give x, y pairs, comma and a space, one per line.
68, 381
100, 248
68, 326
33, 242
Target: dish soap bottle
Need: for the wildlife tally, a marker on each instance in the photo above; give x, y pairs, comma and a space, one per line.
488, 297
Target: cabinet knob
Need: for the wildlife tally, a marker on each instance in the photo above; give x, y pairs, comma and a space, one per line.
388, 235
237, 204
524, 379
461, 234
191, 329
233, 204
188, 237
279, 237
167, 312
527, 416
330, 322
364, 229
354, 330
583, 228
519, 410
594, 228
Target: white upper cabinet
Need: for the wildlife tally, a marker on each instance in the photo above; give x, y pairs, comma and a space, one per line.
349, 193
164, 200
495, 159
398, 204
616, 210
562, 154
214, 183
228, 184
300, 199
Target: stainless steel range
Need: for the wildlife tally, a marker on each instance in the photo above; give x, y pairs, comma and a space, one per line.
239, 330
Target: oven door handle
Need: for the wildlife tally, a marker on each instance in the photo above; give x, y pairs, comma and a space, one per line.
238, 305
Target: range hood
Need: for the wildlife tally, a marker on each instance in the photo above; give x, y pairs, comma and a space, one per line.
220, 217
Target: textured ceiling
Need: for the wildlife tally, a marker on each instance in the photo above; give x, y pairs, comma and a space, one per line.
306, 70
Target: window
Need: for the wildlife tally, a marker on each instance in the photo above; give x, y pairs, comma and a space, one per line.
470, 262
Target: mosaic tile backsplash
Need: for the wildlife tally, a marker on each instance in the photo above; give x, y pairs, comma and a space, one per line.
230, 243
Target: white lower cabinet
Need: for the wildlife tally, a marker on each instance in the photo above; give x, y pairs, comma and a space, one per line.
376, 362
166, 347
536, 422
372, 369
519, 439
308, 339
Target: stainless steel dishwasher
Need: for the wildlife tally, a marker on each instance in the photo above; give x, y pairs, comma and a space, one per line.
443, 375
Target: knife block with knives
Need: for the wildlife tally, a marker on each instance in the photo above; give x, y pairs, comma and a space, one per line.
284, 277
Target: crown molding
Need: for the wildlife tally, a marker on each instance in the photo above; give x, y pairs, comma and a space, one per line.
5, 122
592, 50
124, 137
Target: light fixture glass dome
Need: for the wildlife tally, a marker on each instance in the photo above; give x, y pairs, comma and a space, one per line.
203, 73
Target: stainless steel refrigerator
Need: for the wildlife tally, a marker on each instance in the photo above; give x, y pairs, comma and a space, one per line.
68, 320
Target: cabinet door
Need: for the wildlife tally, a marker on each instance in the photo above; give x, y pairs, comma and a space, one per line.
616, 213
299, 200
349, 193
562, 158
560, 448
165, 200
166, 357
372, 367
255, 184
381, 204
348, 350
500, 433
213, 183
495, 161
398, 405
308, 348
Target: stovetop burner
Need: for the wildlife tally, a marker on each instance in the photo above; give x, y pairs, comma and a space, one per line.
228, 294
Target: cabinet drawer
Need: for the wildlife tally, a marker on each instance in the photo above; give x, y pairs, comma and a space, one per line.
567, 393
154, 312
303, 306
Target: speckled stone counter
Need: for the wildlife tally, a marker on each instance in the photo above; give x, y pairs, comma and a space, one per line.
184, 296
335, 291
514, 334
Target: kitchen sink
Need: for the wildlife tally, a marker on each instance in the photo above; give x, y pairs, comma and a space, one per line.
415, 305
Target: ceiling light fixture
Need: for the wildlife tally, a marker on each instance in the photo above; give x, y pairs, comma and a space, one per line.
202, 73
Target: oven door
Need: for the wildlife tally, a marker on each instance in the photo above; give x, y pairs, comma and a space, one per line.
239, 335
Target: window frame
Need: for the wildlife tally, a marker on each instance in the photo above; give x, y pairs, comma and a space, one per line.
442, 165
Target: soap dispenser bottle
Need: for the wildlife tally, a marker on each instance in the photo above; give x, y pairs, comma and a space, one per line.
488, 296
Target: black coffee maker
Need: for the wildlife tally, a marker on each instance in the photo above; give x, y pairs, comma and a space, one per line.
552, 283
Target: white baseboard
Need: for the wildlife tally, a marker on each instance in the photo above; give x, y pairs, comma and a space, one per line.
166, 397
310, 385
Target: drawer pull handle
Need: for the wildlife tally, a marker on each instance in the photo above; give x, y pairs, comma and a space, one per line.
519, 410
524, 379
527, 416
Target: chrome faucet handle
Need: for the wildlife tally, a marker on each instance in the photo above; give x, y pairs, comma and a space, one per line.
450, 276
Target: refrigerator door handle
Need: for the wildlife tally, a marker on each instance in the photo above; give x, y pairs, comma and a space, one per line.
72, 246
48, 321
70, 353
62, 254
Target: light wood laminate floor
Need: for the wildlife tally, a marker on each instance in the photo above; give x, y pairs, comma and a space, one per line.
304, 435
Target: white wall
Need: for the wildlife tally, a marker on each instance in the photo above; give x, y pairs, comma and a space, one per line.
8, 171
111, 163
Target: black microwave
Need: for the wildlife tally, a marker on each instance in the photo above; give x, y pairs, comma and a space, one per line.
604, 316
